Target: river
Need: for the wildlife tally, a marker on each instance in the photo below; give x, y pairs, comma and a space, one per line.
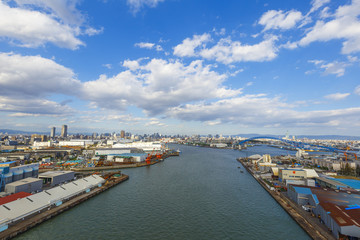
200, 195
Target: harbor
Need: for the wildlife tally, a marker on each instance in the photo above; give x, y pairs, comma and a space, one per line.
199, 195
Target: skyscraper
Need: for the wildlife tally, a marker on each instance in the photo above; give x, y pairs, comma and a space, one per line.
64, 131
52, 133
122, 134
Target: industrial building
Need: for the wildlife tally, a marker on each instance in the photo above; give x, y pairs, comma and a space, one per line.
134, 157
12, 174
24, 207
54, 178
296, 176
145, 146
338, 210
112, 151
28, 185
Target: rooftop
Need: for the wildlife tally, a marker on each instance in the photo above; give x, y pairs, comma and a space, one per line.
54, 173
24, 181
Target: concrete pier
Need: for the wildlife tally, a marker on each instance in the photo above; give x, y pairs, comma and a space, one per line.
33, 221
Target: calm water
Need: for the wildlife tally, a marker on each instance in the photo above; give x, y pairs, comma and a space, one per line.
199, 195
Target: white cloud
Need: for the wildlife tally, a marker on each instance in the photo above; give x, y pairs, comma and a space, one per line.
92, 31
157, 85
107, 65
34, 76
24, 115
137, 5
317, 4
145, 45
337, 96
336, 68
64, 10
33, 106
25, 81
325, 13
273, 19
38, 29
149, 45
228, 51
357, 90
131, 64
188, 45
259, 111
345, 26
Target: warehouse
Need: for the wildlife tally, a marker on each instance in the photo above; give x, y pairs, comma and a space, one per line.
292, 174
338, 210
54, 178
28, 185
134, 157
21, 208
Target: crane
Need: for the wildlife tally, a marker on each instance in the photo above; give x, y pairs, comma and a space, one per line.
149, 157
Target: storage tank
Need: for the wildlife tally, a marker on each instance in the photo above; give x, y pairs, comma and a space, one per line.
28, 172
35, 171
18, 174
8, 177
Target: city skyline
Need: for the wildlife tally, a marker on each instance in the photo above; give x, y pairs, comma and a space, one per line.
188, 67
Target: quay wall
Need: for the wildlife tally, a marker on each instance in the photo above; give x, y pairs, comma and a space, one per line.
306, 222
33, 221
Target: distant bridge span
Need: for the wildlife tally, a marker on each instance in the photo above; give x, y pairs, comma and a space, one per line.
293, 143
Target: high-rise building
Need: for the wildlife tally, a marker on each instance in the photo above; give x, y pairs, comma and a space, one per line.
52, 133
64, 131
122, 134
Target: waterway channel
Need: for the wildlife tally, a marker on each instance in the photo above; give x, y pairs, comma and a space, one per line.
200, 195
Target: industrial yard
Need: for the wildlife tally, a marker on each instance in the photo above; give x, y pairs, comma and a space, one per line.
324, 204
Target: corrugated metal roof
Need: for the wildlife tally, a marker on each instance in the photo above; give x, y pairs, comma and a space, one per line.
24, 181
23, 207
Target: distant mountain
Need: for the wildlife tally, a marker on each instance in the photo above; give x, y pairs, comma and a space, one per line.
320, 137
10, 131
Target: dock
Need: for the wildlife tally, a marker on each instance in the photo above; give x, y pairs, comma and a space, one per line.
33, 221
305, 221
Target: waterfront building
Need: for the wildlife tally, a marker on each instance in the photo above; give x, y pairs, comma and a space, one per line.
64, 131
297, 176
338, 210
28, 185
28, 206
54, 178
131, 157
145, 146
112, 151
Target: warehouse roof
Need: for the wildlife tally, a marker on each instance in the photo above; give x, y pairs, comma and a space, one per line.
54, 173
23, 181
21, 208
343, 207
13, 197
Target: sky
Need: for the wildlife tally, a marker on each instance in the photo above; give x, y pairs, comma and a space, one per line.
181, 66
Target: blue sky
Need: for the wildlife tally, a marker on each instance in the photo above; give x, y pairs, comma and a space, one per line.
181, 66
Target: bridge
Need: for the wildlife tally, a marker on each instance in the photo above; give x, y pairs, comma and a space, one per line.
295, 144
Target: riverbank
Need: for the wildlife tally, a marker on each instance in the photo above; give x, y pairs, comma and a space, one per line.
304, 220
33, 221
